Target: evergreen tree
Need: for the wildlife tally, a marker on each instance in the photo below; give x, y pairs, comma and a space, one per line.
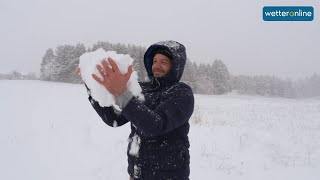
309, 87
15, 75
105, 45
30, 76
66, 61
47, 65
188, 75
220, 77
203, 83
137, 53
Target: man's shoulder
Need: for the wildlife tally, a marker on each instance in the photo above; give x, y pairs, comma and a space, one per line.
179, 86
182, 88
184, 85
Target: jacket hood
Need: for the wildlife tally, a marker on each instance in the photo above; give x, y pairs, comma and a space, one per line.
179, 57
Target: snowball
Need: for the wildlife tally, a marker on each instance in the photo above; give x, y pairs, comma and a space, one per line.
87, 65
136, 171
135, 145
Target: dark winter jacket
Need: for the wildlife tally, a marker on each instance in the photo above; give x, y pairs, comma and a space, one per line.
160, 123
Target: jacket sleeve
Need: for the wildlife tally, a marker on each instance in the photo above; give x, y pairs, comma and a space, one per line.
109, 115
169, 115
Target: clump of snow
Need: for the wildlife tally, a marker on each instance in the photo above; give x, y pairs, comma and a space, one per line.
87, 65
171, 44
135, 145
115, 124
136, 171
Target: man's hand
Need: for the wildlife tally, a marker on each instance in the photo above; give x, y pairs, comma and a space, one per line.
113, 80
78, 72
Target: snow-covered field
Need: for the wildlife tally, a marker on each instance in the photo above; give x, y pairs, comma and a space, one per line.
49, 131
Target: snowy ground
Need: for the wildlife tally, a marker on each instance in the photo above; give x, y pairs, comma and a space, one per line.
49, 131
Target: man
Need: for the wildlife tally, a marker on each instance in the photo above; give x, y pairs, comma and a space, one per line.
159, 125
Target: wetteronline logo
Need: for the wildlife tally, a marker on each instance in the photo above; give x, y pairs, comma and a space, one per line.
288, 13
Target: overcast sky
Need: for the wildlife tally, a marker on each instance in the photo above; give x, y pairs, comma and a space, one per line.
232, 31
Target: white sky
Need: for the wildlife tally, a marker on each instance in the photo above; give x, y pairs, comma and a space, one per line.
232, 31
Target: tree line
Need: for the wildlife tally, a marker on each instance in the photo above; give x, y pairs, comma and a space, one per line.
15, 75
60, 64
214, 78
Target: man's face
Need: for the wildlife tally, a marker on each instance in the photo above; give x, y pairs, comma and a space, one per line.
161, 65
